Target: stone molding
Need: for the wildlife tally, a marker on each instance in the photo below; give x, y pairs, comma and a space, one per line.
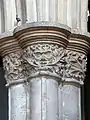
34, 11
76, 58
44, 57
42, 35
13, 68
48, 50
79, 43
11, 53
43, 50
8, 45
75, 66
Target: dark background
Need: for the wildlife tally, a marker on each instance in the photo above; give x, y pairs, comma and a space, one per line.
85, 90
3, 95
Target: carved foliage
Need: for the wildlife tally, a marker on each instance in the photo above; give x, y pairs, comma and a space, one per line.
12, 66
47, 57
76, 65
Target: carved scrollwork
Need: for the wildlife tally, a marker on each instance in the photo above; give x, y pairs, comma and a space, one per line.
76, 65
46, 57
13, 68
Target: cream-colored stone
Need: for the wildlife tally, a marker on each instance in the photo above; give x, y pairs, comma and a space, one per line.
2, 19
19, 102
68, 12
18, 9
84, 15
9, 14
69, 102
60, 11
31, 10
44, 97
43, 62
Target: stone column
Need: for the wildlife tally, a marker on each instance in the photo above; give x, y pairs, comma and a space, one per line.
69, 92
18, 90
67, 12
9, 14
44, 47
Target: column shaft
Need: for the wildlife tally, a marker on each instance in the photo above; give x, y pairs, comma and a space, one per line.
70, 102
19, 102
18, 89
69, 93
44, 97
43, 59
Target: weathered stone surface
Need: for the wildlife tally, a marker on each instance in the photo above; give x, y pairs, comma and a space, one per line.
75, 65
69, 102
19, 102
13, 68
40, 56
44, 57
44, 98
17, 12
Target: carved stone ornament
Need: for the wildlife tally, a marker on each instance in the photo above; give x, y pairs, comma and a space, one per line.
44, 57
13, 68
76, 65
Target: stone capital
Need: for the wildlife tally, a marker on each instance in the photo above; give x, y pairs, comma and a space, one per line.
44, 50
11, 54
76, 58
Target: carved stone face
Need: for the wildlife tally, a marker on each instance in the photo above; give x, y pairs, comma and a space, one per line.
42, 55
42, 58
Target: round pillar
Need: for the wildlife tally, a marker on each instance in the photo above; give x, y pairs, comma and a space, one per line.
18, 90
43, 57
70, 90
